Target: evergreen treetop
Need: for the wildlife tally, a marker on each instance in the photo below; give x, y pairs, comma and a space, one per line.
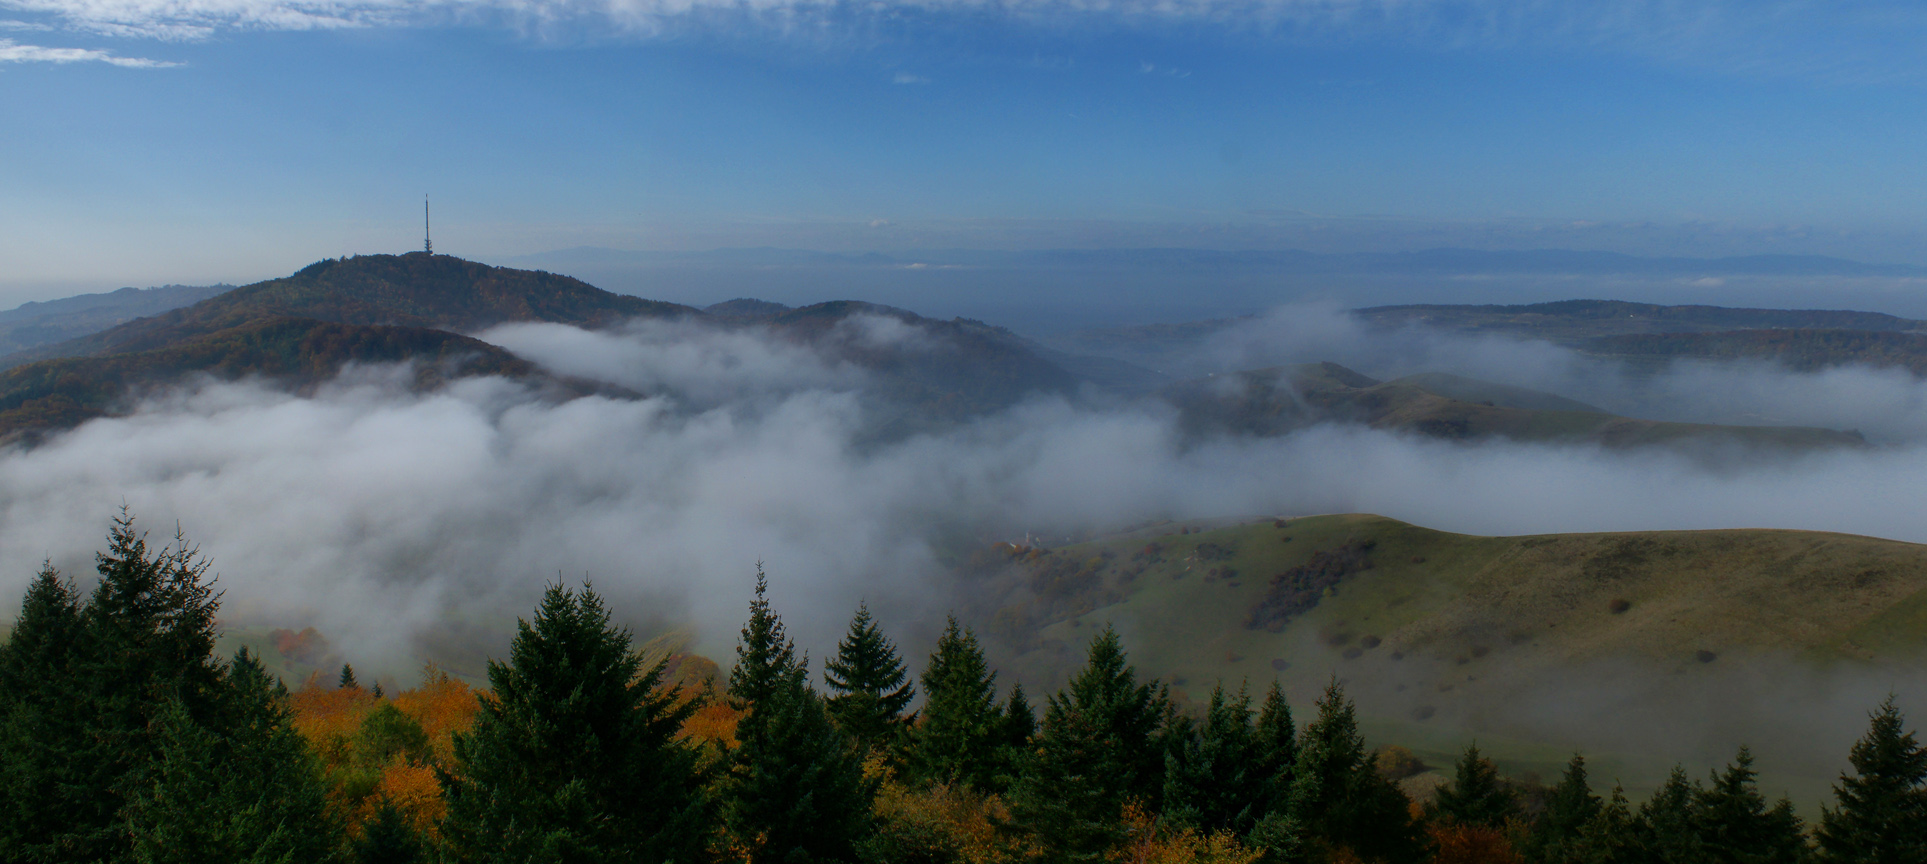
574, 757
1476, 795
959, 728
765, 655
1882, 812
1570, 807
1214, 779
870, 684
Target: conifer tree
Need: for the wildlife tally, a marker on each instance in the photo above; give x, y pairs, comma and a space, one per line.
1882, 814
1277, 755
960, 730
243, 788
1017, 724
574, 757
388, 838
764, 653
1609, 837
1666, 826
1736, 826
142, 646
1570, 807
1214, 779
870, 685
1476, 796
39, 719
796, 792
1096, 749
347, 679
1338, 798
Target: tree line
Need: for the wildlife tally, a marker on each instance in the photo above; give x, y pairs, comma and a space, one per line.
123, 738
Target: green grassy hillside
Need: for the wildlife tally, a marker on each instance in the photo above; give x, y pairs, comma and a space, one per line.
1279, 400
1445, 636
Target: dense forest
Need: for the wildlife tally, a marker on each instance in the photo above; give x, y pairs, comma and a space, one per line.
124, 738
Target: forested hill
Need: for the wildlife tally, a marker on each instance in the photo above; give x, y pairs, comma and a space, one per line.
441, 292
295, 331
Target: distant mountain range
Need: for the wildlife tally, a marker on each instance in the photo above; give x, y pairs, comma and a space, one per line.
302, 329
1429, 261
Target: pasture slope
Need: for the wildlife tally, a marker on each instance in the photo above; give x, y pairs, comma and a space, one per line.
1642, 648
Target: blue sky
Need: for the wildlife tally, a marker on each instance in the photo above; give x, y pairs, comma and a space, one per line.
149, 141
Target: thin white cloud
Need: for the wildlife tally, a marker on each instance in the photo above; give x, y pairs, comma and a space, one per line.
907, 78
14, 52
1854, 39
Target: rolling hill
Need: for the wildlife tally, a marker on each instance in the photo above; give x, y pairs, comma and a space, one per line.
922, 373
1438, 633
1276, 401
1801, 349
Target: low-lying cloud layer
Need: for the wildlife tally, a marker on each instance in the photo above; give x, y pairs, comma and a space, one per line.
402, 524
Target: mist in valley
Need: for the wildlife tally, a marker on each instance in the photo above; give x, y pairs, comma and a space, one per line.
409, 525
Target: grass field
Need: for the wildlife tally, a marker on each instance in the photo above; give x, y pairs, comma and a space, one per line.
1641, 648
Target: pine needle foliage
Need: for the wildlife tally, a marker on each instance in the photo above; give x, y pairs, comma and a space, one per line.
960, 731
1557, 834
796, 790
1214, 776
1476, 795
141, 647
1339, 799
869, 683
1096, 750
1882, 812
40, 758
574, 756
242, 790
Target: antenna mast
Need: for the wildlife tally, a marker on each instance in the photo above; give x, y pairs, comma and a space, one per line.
428, 241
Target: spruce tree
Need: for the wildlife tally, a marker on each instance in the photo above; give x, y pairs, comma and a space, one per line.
1882, 813
870, 685
574, 756
1339, 799
388, 838
1017, 725
796, 791
1570, 807
764, 652
1665, 829
1096, 749
243, 788
960, 731
1476, 795
1609, 837
1277, 754
1736, 826
141, 647
347, 679
1214, 779
40, 731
